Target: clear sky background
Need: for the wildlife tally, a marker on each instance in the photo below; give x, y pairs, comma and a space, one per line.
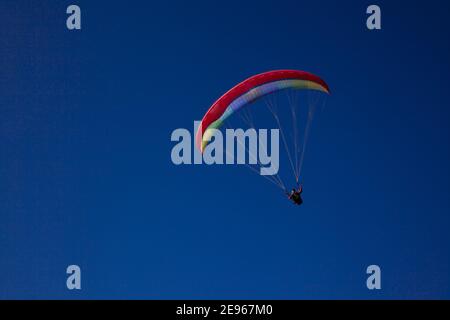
86, 176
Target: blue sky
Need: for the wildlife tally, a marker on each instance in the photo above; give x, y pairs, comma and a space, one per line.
86, 175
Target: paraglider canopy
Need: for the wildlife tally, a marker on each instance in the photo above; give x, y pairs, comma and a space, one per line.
250, 90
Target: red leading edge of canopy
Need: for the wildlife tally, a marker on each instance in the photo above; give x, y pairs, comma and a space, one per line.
219, 107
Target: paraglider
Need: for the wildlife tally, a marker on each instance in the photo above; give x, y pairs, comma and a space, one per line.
296, 195
262, 86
